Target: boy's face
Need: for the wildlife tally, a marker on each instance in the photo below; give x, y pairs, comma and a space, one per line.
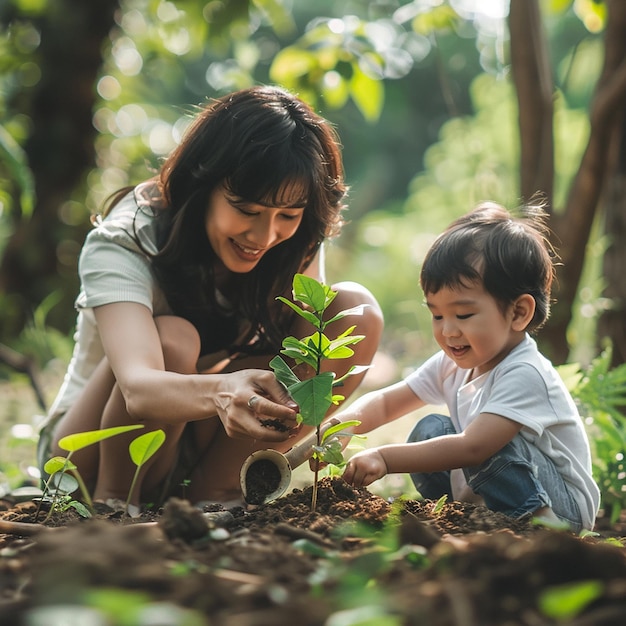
471, 327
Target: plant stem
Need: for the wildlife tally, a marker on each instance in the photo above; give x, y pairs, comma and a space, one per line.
83, 490
317, 470
318, 427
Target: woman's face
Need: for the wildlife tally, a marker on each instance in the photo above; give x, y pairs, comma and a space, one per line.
241, 232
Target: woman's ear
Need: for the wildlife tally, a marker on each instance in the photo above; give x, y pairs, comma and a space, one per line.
523, 312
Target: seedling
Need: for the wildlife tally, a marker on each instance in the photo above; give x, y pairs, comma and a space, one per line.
315, 395
65, 479
58, 466
64, 475
141, 450
438, 506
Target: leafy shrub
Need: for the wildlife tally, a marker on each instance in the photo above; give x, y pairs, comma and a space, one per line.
600, 393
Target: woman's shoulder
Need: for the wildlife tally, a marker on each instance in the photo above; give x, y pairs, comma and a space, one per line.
131, 223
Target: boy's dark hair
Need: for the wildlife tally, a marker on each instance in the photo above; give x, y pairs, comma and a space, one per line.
510, 255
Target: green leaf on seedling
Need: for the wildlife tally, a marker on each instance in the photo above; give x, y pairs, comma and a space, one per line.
340, 350
80, 508
314, 397
300, 351
336, 429
355, 310
283, 372
78, 441
64, 483
141, 450
312, 293
145, 446
58, 464
307, 315
440, 504
331, 452
564, 602
337, 348
318, 343
355, 369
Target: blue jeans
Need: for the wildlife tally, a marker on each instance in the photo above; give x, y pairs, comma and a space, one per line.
516, 481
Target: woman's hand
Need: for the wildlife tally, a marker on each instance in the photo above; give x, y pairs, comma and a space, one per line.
365, 467
254, 404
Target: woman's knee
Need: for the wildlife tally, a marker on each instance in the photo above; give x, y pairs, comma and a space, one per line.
180, 343
431, 426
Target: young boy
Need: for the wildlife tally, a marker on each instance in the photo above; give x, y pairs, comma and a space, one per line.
513, 437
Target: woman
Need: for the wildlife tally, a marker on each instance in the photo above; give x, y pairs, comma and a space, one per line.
178, 316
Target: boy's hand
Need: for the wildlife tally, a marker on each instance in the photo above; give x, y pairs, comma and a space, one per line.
365, 467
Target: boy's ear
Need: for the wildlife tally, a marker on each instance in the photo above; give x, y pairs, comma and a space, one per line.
523, 312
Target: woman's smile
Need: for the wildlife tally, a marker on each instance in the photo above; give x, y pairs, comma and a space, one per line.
241, 232
245, 253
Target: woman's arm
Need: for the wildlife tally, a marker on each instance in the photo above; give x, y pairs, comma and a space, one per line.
133, 348
486, 435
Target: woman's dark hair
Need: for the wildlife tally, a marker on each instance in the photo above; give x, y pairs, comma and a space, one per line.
261, 144
510, 255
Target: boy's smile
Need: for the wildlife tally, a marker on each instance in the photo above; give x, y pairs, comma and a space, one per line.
472, 328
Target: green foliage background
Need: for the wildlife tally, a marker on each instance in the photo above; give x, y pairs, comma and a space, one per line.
420, 93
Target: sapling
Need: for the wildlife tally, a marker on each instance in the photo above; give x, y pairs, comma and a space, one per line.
314, 395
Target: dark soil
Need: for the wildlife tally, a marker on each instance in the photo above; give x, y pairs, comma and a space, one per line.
262, 479
357, 560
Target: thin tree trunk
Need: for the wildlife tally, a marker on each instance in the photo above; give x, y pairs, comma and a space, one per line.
534, 85
40, 256
573, 227
612, 322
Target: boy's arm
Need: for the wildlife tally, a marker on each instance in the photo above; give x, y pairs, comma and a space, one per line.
380, 407
487, 434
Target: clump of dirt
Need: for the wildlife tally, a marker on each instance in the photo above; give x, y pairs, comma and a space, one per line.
409, 561
274, 425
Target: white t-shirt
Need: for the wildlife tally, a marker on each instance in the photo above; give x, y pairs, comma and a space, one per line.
523, 387
112, 268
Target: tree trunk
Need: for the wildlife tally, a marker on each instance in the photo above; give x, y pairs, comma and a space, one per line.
532, 76
612, 322
40, 256
573, 227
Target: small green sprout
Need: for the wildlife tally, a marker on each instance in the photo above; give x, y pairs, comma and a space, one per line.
438, 506
315, 395
141, 450
65, 479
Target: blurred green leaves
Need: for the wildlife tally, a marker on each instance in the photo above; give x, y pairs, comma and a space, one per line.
337, 60
601, 394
